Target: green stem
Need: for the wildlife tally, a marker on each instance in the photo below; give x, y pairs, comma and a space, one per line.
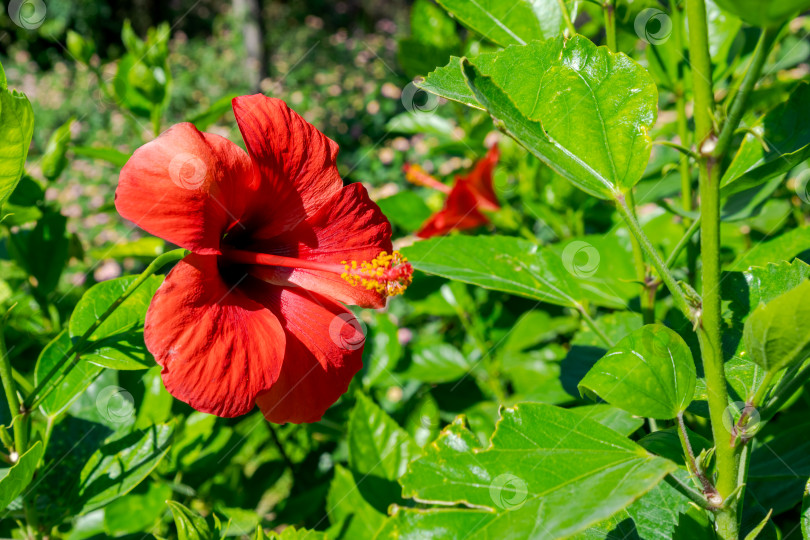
708, 489
727, 458
569, 25
20, 422
20, 427
678, 296
36, 397
683, 242
763, 389
766, 41
592, 324
609, 11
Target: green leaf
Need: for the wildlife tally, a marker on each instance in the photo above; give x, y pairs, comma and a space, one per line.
649, 373
136, 512
498, 262
190, 525
148, 247
345, 503
603, 267
581, 109
117, 467
653, 517
544, 465
291, 533
777, 334
17, 127
118, 342
54, 159
616, 419
110, 155
764, 12
406, 209
437, 363
782, 248
43, 250
76, 381
14, 479
787, 138
508, 22
204, 119
378, 447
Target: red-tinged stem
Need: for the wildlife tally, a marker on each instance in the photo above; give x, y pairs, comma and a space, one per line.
266, 259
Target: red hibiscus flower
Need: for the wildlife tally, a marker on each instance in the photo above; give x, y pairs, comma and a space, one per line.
469, 195
254, 315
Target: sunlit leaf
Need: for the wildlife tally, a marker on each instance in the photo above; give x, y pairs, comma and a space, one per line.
649, 373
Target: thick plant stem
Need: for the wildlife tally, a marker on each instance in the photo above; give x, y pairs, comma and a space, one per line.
710, 318
36, 397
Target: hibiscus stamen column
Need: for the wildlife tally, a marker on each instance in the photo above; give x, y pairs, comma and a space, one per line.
388, 274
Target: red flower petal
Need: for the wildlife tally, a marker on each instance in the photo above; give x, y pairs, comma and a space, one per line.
218, 348
186, 187
324, 352
348, 227
460, 212
296, 161
480, 178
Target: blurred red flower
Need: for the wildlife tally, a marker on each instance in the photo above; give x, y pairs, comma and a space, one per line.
469, 195
253, 315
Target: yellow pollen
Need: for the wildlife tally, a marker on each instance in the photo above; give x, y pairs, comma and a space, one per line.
388, 274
